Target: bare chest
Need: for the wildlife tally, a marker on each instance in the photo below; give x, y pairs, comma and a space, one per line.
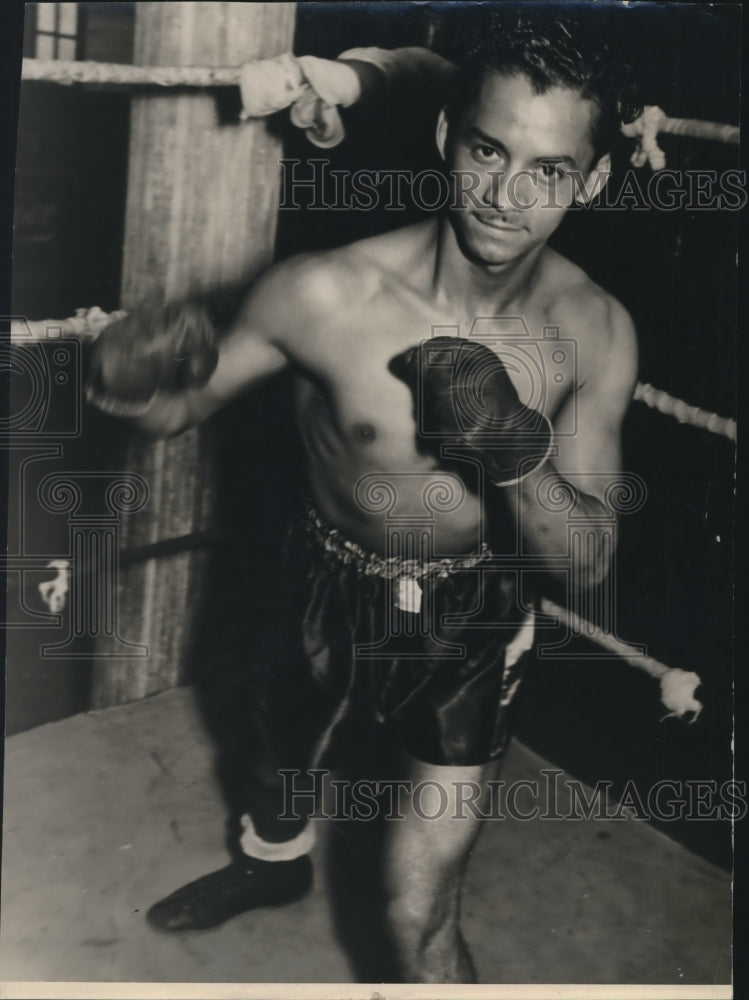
352, 389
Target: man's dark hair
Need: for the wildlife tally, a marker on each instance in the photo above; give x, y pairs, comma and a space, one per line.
550, 48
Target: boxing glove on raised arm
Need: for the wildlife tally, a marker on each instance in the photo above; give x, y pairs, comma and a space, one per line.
166, 349
464, 397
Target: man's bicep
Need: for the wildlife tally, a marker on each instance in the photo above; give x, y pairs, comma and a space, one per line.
248, 351
243, 361
245, 356
588, 445
588, 426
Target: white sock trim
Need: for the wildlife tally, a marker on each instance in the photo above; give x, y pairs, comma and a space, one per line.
266, 850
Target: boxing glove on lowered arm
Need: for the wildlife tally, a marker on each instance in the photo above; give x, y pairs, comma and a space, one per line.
167, 369
168, 349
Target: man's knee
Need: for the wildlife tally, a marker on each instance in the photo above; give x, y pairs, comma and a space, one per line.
416, 917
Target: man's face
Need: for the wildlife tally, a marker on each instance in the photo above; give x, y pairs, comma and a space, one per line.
516, 149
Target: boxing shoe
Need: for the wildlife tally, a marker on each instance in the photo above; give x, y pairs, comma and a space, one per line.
242, 885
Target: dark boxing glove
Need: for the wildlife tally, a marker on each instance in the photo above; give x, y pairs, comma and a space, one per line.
167, 349
464, 397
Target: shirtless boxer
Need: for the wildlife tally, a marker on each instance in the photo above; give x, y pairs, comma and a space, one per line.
528, 109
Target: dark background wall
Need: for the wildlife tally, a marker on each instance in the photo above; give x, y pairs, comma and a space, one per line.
675, 272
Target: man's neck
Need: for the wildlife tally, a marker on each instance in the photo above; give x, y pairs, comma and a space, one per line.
475, 288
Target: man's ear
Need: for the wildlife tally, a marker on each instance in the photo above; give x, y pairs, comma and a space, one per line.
596, 180
441, 133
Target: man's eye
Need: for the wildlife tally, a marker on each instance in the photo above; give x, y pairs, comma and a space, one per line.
551, 171
483, 152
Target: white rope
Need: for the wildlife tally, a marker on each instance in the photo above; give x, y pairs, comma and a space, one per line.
87, 324
280, 77
68, 72
54, 592
653, 121
696, 128
677, 686
671, 406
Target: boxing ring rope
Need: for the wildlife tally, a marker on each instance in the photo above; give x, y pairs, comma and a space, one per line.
268, 85
677, 686
87, 324
696, 128
671, 406
68, 72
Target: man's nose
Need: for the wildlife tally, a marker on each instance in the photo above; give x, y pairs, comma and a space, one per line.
509, 191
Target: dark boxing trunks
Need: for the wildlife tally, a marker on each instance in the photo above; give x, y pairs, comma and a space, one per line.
429, 649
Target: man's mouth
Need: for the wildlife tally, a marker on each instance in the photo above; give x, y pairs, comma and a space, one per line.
497, 223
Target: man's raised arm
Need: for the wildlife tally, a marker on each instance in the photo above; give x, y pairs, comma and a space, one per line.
465, 398
588, 457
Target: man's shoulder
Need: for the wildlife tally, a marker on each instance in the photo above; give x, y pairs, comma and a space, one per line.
346, 276
318, 280
395, 249
577, 303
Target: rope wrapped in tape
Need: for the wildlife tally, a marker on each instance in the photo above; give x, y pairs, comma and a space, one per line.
87, 324
315, 88
659, 400
653, 121
68, 72
677, 686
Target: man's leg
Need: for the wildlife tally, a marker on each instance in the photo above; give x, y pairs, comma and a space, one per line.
270, 856
425, 861
267, 719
